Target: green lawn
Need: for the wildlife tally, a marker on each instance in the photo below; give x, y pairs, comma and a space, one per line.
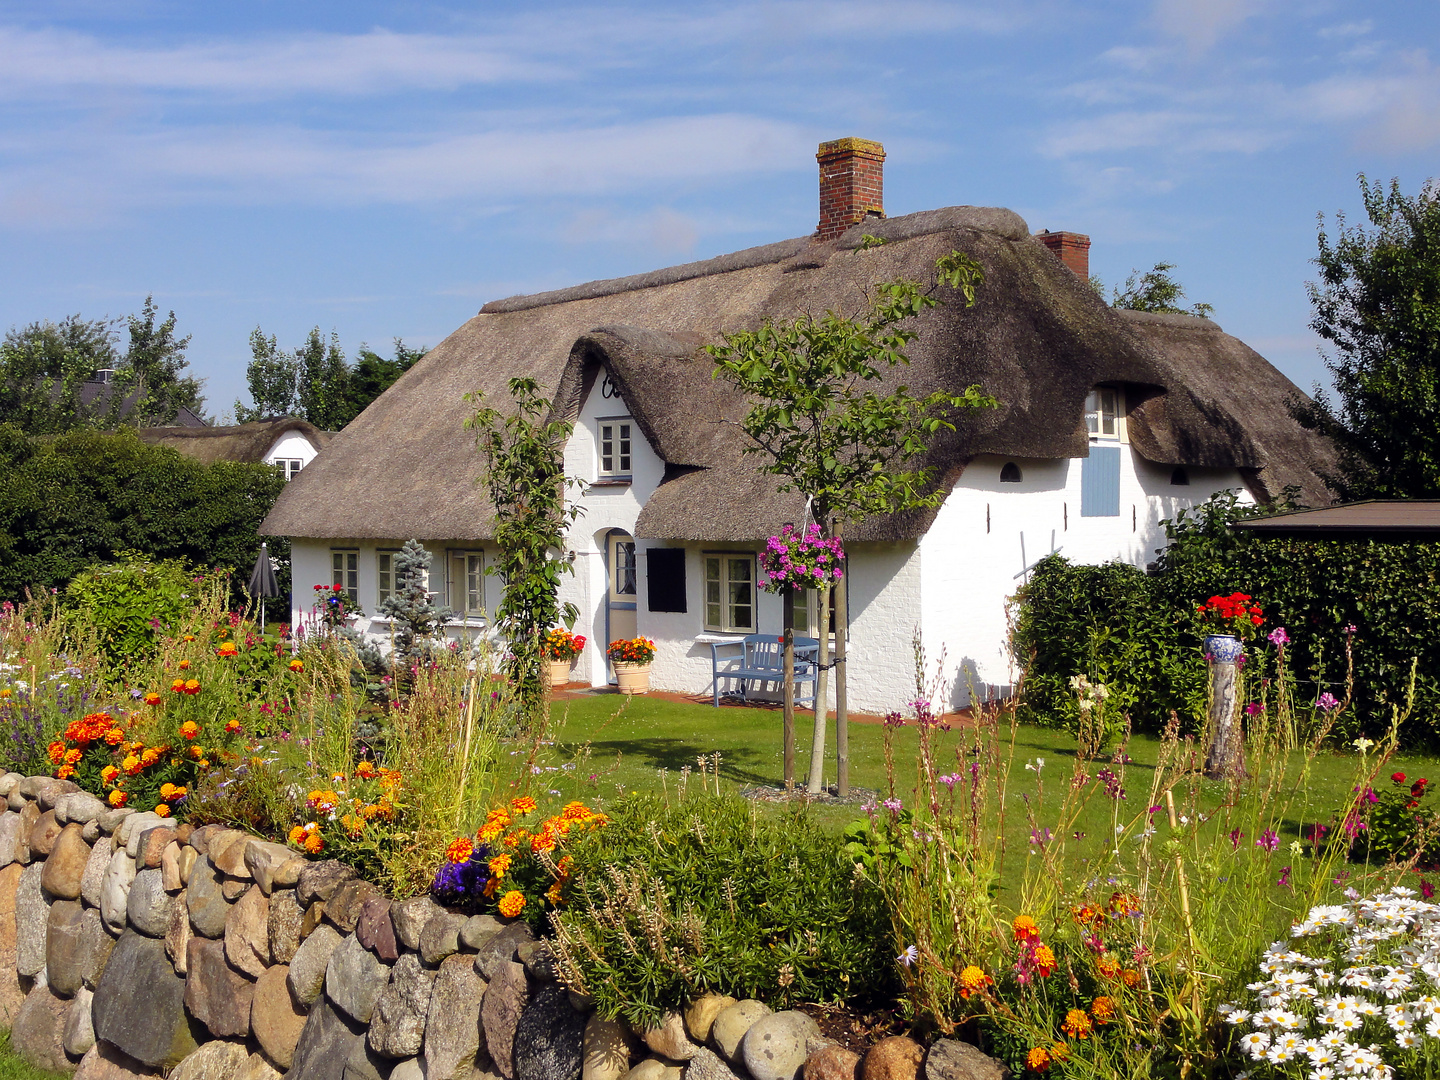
14, 1067
642, 743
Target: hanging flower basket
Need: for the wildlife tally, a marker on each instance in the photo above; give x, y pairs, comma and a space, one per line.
794, 560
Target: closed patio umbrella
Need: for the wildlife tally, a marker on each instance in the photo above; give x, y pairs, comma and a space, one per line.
262, 580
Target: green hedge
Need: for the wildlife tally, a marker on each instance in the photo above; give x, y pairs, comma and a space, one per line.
1137, 632
83, 498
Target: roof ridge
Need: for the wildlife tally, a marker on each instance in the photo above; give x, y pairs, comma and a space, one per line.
998, 220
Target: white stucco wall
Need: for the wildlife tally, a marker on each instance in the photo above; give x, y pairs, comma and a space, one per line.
988, 534
292, 444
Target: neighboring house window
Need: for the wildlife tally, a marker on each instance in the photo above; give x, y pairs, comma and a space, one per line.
1102, 413
1180, 478
1010, 473
467, 583
385, 575
290, 467
730, 593
345, 572
616, 439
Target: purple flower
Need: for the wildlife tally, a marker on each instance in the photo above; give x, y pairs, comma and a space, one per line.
1327, 702
1351, 628
909, 956
1112, 784
1284, 881
1279, 637
950, 780
1235, 837
893, 805
1254, 709
1269, 840
894, 719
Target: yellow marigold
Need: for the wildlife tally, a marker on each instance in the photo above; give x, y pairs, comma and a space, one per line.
190, 729
152, 698
522, 805
203, 763
499, 865
1044, 959
314, 844
1108, 966
542, 841
184, 665
1130, 977
73, 755
1077, 1024
178, 686
131, 765
297, 665
385, 810
459, 850
189, 637
297, 835
512, 903
972, 980
149, 757
1102, 1009
57, 752
576, 811
500, 815
489, 831
227, 648
1038, 1059
114, 736
118, 797
1024, 928
162, 810
192, 686
232, 725
196, 752
366, 770
108, 774
1059, 1051
65, 772
515, 839
167, 791
353, 826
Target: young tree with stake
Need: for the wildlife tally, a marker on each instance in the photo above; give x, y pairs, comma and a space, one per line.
819, 423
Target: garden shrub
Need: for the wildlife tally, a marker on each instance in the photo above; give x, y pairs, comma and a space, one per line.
1135, 632
128, 604
668, 902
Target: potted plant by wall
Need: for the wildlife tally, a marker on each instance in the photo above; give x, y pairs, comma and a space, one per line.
632, 658
560, 648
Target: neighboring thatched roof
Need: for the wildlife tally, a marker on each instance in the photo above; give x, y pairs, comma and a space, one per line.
242, 442
1038, 339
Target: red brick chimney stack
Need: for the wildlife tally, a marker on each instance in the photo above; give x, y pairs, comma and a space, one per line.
852, 184
1072, 249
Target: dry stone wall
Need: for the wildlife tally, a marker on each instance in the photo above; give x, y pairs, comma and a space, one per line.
131, 947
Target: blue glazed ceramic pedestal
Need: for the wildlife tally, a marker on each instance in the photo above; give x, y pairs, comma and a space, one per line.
1225, 758
1223, 648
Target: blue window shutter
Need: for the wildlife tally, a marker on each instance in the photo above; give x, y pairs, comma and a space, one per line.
1100, 482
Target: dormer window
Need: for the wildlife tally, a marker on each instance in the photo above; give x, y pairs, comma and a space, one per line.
616, 441
1010, 473
1180, 478
1102, 413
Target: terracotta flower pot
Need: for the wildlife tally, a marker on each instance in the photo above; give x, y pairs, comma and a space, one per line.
559, 672
634, 678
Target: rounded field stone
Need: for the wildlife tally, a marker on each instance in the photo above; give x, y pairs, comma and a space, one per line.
38, 1034
215, 993
409, 918
606, 1049
93, 878
833, 1062
669, 1039
893, 1058
949, 1059
32, 913
500, 1013
453, 1036
104, 1062
700, 1014
549, 1036
354, 980
397, 1027
79, 1035
276, 1018
309, 964
732, 1024
216, 1060
247, 933
148, 907
65, 868
776, 1046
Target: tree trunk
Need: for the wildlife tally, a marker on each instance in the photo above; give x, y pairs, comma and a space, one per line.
788, 726
1225, 759
842, 707
822, 689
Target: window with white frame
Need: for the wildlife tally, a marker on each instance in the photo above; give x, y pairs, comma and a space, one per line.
730, 593
467, 583
289, 467
345, 572
616, 440
385, 575
1102, 413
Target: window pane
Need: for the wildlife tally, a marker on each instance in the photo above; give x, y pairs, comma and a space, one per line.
1107, 412
712, 594
607, 448
625, 568
741, 594
625, 448
474, 582
1092, 412
803, 608
385, 578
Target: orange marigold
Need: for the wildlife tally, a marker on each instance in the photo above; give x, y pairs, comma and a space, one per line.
297, 835
118, 797
1077, 1024
1108, 966
1044, 959
1130, 977
1038, 1059
542, 841
190, 729
114, 736
178, 686
1025, 928
1102, 1009
522, 805
152, 698
973, 980
576, 811
512, 903
109, 773
192, 686
365, 770
184, 665
162, 810
131, 765
227, 648
499, 865
65, 772
314, 844
459, 850
57, 752
149, 757
297, 665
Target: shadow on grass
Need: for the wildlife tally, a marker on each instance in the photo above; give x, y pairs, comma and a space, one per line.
675, 754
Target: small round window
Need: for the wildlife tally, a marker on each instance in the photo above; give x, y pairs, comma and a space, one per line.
1179, 478
1010, 473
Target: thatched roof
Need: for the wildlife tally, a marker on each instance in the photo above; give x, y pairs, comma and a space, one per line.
241, 442
1038, 339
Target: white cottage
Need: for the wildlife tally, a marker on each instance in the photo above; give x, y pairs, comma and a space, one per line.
1110, 422
286, 442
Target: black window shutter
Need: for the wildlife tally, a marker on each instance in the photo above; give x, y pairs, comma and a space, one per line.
666, 576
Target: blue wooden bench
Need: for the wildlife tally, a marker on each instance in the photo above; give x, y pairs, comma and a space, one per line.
762, 659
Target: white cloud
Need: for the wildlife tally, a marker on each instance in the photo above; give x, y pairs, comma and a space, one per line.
1346, 30
1199, 24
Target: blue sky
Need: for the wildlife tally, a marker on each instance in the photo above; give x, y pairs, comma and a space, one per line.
384, 169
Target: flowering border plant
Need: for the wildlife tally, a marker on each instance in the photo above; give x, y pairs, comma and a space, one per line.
561, 644
1235, 614
1360, 1001
638, 650
511, 868
355, 818
794, 560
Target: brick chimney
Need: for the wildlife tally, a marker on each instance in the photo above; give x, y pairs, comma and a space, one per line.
1071, 248
852, 184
